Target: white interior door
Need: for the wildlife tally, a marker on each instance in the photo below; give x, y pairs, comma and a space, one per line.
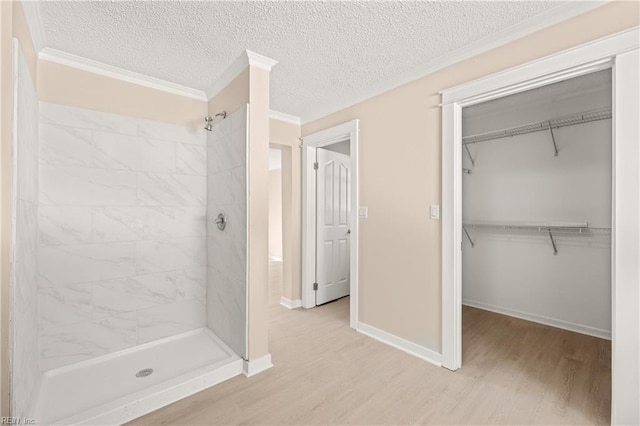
332, 225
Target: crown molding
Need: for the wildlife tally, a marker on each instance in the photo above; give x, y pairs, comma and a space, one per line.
551, 17
287, 118
246, 59
34, 22
257, 60
84, 64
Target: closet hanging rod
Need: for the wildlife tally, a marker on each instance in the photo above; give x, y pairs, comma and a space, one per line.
571, 120
528, 224
572, 227
543, 226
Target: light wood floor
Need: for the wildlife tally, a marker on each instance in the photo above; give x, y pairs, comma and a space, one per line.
514, 372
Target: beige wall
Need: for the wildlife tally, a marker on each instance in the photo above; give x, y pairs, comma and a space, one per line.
70, 86
399, 177
275, 213
258, 161
284, 133
232, 96
286, 137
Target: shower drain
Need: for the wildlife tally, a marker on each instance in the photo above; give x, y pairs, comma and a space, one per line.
145, 372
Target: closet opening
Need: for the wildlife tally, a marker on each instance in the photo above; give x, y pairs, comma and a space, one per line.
536, 243
330, 217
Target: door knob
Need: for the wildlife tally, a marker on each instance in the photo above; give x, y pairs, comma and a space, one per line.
348, 231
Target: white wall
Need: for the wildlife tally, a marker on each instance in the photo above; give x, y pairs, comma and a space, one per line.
122, 251
519, 179
227, 249
24, 312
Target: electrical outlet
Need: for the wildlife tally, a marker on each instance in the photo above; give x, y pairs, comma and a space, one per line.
435, 212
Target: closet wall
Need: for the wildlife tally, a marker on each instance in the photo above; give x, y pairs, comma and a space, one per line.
519, 179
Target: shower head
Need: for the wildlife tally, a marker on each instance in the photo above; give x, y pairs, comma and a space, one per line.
208, 119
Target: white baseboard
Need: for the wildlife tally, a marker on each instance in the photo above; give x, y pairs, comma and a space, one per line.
290, 304
400, 343
251, 368
553, 322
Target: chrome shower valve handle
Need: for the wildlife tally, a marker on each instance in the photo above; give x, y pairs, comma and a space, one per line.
221, 221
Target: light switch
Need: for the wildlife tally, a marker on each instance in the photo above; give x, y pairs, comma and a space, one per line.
435, 212
363, 212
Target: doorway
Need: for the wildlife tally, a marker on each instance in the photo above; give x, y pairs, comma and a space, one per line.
332, 169
330, 226
536, 205
536, 250
619, 53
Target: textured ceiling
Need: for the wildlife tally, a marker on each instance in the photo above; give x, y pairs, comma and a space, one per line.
330, 53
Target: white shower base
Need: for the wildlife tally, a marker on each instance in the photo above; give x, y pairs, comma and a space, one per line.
105, 390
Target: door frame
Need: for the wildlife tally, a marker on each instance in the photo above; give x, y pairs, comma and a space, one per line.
341, 133
619, 52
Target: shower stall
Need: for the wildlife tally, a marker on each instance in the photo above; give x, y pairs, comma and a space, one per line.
127, 294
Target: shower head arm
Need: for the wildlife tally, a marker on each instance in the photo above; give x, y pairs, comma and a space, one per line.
208, 119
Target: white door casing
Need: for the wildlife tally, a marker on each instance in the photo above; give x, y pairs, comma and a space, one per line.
332, 225
343, 132
621, 53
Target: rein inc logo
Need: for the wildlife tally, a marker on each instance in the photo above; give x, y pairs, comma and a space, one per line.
17, 421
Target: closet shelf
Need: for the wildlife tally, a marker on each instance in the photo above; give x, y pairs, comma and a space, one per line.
530, 225
549, 227
549, 125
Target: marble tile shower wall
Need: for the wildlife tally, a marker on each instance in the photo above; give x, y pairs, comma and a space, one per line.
24, 313
122, 235
227, 250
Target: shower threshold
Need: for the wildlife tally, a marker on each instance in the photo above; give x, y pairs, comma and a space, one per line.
119, 387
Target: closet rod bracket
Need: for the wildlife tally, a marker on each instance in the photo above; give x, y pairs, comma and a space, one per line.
553, 243
473, 163
553, 139
464, 228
